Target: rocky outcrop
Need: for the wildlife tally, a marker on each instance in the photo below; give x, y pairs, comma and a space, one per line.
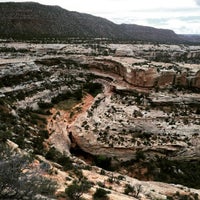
141, 77
148, 76
117, 128
195, 82
160, 53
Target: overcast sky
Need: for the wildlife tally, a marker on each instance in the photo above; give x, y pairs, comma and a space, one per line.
182, 16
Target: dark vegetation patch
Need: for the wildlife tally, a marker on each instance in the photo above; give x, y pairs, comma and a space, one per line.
18, 180
179, 172
59, 158
101, 194
5, 81
21, 127
164, 170
13, 50
93, 88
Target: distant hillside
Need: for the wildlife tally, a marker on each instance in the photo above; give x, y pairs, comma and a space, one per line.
191, 38
32, 20
138, 32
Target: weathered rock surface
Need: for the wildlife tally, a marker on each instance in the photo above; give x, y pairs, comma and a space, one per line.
120, 127
148, 75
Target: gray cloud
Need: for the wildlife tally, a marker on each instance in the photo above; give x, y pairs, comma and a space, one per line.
197, 2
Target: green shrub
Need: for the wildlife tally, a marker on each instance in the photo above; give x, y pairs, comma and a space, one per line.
93, 88
76, 189
103, 162
128, 189
175, 171
56, 156
45, 105
103, 172
101, 194
43, 134
140, 155
4, 135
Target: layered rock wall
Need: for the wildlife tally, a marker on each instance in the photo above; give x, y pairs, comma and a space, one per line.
148, 77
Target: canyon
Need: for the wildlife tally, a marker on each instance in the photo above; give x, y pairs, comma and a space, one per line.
135, 106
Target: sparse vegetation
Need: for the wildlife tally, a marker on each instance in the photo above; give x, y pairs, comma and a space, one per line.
93, 88
103, 162
189, 196
133, 190
101, 194
56, 156
18, 181
77, 188
179, 172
